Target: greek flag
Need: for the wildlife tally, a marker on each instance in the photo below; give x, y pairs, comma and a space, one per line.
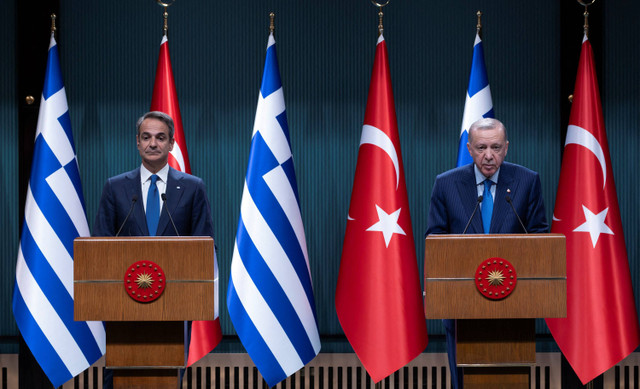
270, 296
54, 216
478, 104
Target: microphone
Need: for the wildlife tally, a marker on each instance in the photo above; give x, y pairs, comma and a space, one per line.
508, 198
134, 198
475, 209
164, 202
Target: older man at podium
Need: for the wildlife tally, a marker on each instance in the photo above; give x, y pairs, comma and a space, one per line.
486, 196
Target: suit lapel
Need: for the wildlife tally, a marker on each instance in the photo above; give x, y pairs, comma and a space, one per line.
174, 191
134, 188
469, 195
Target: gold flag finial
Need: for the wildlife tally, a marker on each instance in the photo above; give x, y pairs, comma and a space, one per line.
380, 14
586, 15
165, 23
165, 15
272, 24
53, 23
479, 25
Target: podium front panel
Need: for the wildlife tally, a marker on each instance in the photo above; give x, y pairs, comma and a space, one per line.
450, 266
100, 265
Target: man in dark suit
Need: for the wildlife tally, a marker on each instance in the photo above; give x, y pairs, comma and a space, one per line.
140, 202
457, 192
128, 193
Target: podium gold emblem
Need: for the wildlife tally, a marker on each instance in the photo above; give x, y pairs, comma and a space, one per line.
496, 278
144, 281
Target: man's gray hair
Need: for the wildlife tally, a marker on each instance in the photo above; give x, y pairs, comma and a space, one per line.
163, 117
487, 124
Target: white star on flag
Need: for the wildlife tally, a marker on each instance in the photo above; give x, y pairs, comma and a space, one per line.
594, 224
387, 224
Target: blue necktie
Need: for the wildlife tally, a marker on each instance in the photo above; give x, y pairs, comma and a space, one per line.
153, 206
487, 206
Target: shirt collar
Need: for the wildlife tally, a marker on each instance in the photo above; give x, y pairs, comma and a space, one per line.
145, 174
480, 177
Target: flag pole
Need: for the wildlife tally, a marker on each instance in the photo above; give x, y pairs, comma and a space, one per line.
586, 15
479, 25
272, 25
380, 14
53, 24
585, 27
165, 15
165, 23
586, 33
378, 385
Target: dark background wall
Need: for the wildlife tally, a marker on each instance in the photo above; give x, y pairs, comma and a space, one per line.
325, 49
9, 176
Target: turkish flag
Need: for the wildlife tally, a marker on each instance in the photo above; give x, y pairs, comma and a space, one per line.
378, 296
601, 327
205, 335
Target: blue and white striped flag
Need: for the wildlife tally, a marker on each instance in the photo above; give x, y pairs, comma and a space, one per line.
270, 296
54, 216
478, 104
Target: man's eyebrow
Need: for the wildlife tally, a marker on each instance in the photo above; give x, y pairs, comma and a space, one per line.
158, 134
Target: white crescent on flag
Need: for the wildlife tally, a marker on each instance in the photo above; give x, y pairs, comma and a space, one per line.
375, 136
580, 136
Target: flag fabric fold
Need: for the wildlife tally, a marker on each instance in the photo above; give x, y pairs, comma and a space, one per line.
270, 295
54, 216
601, 327
478, 103
378, 295
205, 335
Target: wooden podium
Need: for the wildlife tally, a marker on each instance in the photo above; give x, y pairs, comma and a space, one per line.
495, 338
145, 340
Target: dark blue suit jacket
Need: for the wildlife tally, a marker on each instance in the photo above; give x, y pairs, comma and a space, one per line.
455, 195
186, 200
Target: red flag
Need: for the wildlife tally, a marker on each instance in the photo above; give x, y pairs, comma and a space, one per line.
378, 297
601, 327
165, 99
205, 335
